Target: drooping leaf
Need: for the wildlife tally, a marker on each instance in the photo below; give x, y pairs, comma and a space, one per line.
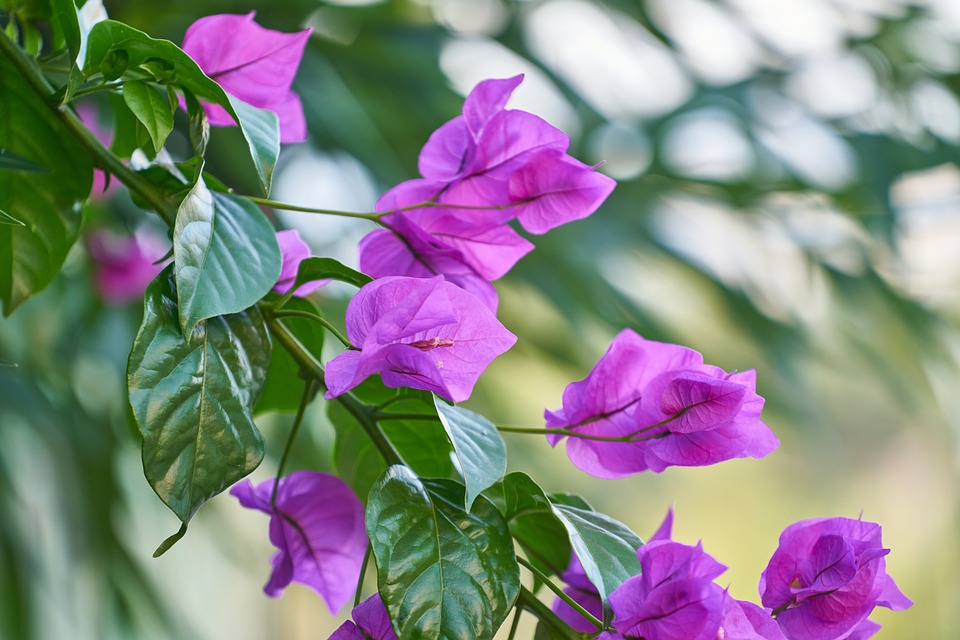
192, 399
315, 268
444, 574
284, 385
259, 127
151, 109
47, 203
226, 255
479, 447
606, 548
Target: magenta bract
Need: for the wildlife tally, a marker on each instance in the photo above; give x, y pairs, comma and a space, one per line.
251, 63
318, 528
480, 170
370, 622
125, 265
672, 409
421, 333
293, 251
826, 576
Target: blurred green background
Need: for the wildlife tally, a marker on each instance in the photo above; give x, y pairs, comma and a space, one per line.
788, 201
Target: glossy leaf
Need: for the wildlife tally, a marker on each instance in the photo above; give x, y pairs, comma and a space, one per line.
444, 574
606, 548
259, 127
322, 268
283, 387
47, 202
478, 445
192, 399
151, 109
226, 255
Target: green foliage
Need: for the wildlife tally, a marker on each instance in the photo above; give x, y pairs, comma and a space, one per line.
444, 574
47, 202
284, 383
480, 449
315, 268
226, 255
193, 398
151, 109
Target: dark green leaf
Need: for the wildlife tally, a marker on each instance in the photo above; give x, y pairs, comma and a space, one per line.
48, 204
259, 127
422, 444
226, 255
151, 109
606, 548
355, 458
321, 268
66, 26
478, 445
443, 573
192, 399
114, 64
533, 524
10, 161
284, 384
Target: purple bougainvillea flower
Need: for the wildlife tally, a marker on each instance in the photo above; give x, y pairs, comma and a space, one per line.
251, 63
826, 576
317, 526
744, 620
675, 410
584, 593
125, 265
370, 622
293, 251
421, 333
674, 597
90, 116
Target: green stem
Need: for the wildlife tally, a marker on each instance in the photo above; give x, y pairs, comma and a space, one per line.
568, 431
531, 603
360, 411
294, 313
296, 207
101, 155
308, 390
515, 623
560, 594
363, 572
386, 415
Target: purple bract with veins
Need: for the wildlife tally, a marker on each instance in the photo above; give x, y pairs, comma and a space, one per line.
480, 170
826, 576
421, 333
293, 251
670, 408
317, 526
370, 622
254, 64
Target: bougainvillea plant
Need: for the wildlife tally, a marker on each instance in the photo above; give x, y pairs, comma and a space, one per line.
230, 327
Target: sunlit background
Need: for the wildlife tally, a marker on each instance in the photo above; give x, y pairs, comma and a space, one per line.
788, 200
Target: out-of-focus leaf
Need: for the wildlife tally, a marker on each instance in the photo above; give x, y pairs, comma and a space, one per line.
444, 574
193, 398
283, 387
47, 203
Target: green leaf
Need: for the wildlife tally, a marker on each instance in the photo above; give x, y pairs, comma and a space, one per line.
284, 384
66, 26
443, 573
10, 161
192, 399
315, 268
479, 447
606, 548
355, 459
259, 127
151, 109
47, 203
226, 255
422, 444
533, 524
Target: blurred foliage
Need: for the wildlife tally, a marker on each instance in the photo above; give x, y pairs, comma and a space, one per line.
757, 219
